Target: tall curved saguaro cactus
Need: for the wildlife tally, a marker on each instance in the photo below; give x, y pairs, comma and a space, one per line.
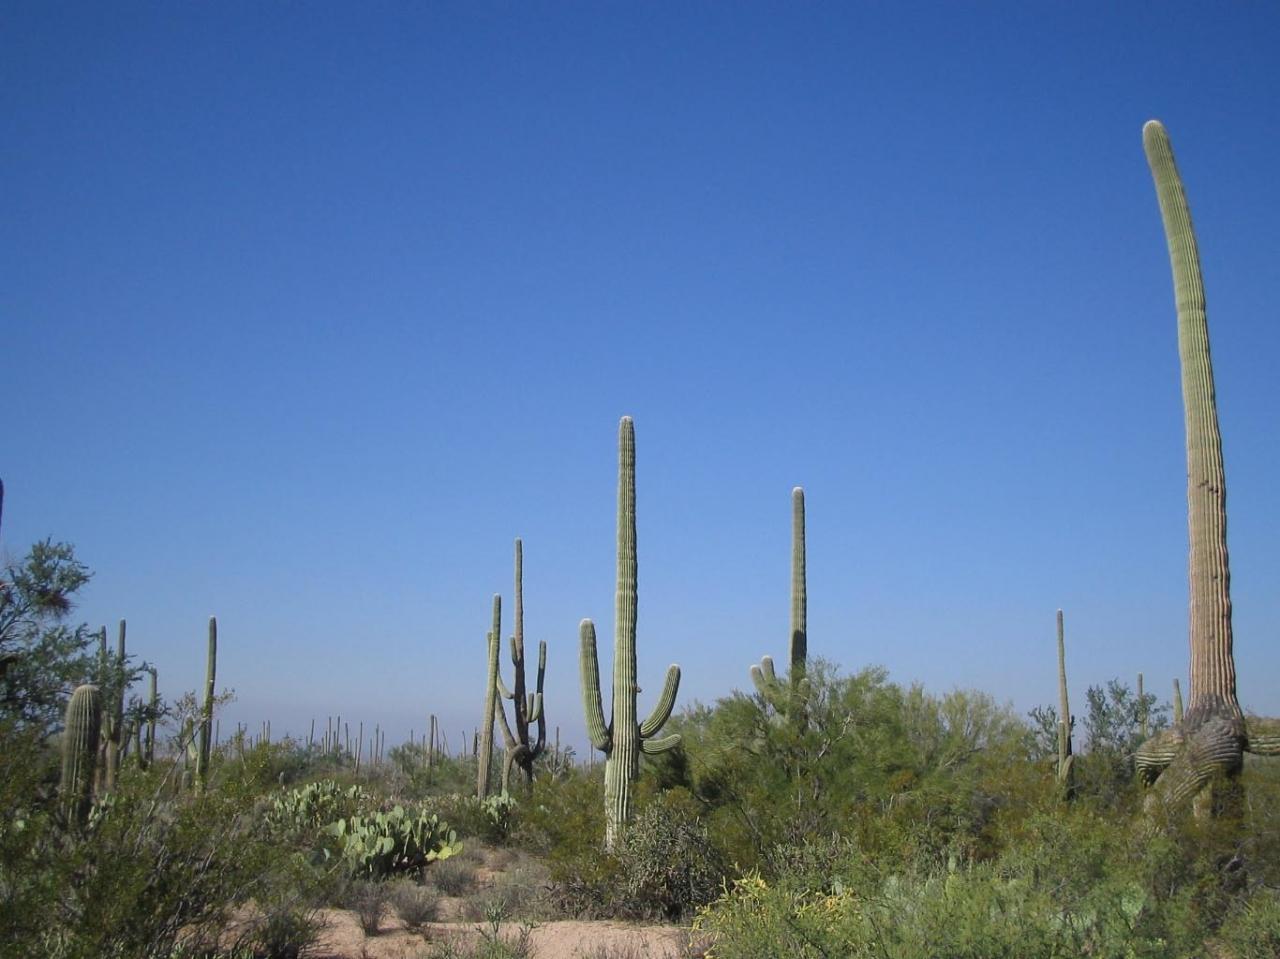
788, 697
205, 745
527, 707
1066, 761
484, 755
80, 752
623, 738
1213, 734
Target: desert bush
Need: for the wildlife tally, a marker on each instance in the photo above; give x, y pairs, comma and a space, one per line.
453, 877
416, 905
1068, 879
146, 868
366, 898
282, 930
491, 820
668, 865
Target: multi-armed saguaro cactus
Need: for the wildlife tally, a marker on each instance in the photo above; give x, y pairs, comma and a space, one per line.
205, 747
527, 707
623, 738
80, 752
1066, 761
1214, 734
484, 755
788, 697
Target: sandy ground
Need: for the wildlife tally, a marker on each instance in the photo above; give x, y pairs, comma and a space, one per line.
343, 938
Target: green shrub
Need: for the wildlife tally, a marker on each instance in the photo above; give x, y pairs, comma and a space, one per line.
668, 865
146, 869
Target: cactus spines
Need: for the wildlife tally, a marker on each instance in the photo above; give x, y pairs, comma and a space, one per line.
80, 752
1066, 761
623, 738
1212, 735
526, 707
205, 747
788, 698
484, 758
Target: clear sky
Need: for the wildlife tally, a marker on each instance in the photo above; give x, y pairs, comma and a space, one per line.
309, 309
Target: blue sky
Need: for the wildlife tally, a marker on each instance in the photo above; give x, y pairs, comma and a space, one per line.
309, 310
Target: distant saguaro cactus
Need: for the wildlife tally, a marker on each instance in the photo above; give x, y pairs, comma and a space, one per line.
1066, 761
484, 756
153, 714
1213, 735
526, 707
115, 721
788, 698
205, 748
623, 738
80, 752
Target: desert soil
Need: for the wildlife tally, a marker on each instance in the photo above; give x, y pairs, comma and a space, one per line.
343, 938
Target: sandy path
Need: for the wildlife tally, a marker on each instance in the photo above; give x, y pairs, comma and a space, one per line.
343, 938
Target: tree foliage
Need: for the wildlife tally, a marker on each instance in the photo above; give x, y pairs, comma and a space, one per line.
42, 656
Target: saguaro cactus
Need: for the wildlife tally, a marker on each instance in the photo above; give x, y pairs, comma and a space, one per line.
484, 757
1066, 761
153, 714
526, 707
80, 752
115, 722
206, 719
1213, 734
623, 738
788, 698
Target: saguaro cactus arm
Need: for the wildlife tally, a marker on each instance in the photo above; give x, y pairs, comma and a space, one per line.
598, 731
536, 712
661, 711
1263, 735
